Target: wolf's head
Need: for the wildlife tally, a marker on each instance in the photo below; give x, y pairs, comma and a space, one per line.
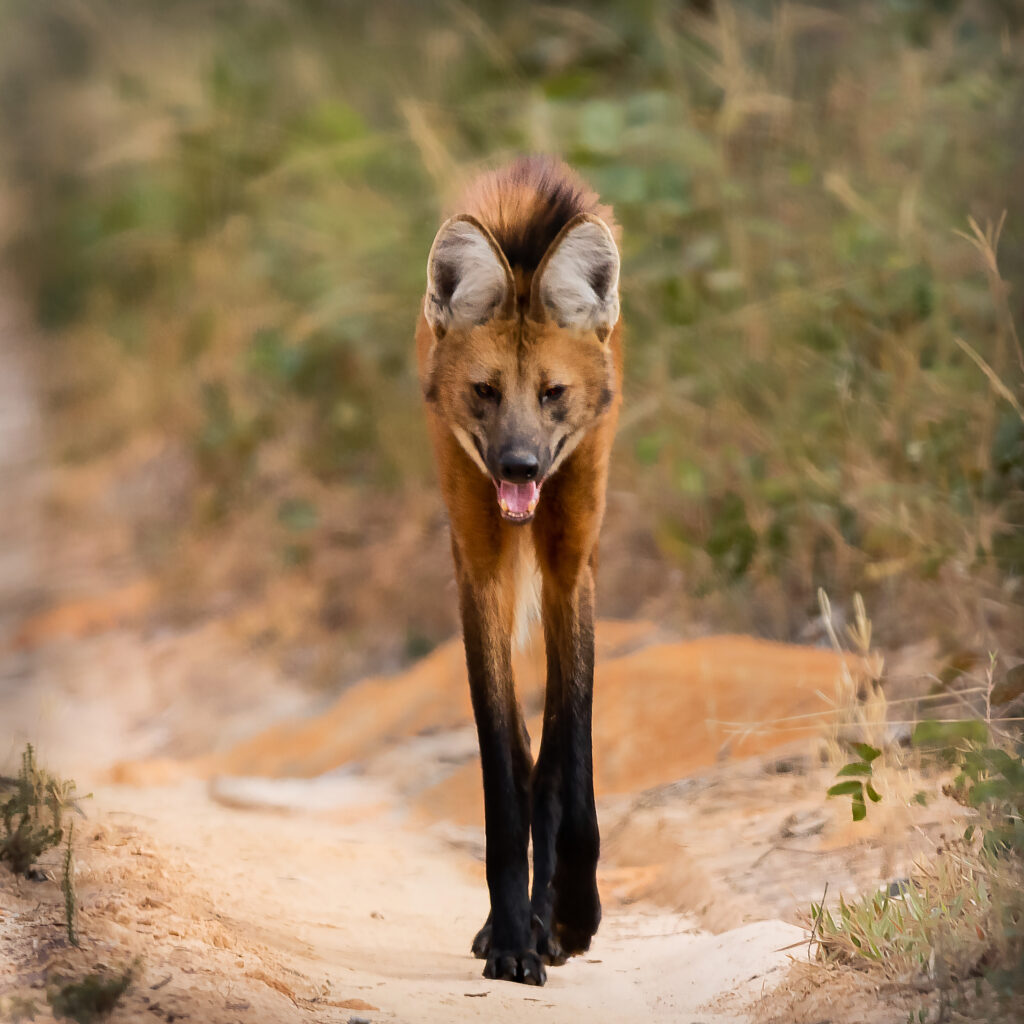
521, 374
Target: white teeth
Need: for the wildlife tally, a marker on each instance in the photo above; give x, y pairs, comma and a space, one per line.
533, 506
504, 504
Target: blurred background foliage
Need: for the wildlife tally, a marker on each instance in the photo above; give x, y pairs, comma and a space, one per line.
221, 213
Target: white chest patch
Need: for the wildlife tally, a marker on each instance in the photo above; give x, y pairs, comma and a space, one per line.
527, 599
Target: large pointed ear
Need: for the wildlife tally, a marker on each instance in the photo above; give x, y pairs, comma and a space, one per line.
577, 282
468, 277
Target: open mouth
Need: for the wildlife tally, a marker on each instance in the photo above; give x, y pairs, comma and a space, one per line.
517, 502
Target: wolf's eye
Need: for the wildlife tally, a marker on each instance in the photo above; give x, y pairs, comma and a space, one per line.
485, 390
552, 393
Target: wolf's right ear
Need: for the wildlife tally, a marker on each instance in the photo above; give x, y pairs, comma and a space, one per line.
577, 282
468, 278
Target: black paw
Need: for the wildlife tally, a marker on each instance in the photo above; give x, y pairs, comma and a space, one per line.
482, 943
577, 914
524, 966
549, 949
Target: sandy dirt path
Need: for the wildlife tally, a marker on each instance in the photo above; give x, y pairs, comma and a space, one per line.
349, 912
341, 914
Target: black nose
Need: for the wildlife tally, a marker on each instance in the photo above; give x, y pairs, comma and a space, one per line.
518, 467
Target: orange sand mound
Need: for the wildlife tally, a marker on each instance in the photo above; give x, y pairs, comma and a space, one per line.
661, 711
666, 711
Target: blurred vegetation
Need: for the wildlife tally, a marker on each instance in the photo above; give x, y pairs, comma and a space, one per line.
223, 214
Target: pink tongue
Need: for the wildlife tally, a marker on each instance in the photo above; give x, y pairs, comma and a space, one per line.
518, 497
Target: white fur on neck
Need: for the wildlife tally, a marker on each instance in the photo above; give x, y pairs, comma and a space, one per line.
528, 585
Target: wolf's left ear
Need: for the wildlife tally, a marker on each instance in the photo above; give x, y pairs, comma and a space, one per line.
577, 282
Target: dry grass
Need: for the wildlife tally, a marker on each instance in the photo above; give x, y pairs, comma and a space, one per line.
950, 933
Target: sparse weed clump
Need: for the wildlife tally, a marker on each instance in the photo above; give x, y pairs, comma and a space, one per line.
33, 814
33, 817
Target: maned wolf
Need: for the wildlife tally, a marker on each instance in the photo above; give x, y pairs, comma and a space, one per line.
520, 361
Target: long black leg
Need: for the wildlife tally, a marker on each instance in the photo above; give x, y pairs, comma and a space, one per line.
546, 807
576, 912
506, 763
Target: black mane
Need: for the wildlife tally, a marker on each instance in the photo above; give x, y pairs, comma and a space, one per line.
524, 234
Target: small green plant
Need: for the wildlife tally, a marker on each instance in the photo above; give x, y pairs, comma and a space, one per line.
91, 998
860, 786
860, 706
33, 814
67, 886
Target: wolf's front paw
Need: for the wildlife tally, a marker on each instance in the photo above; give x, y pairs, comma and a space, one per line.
523, 966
